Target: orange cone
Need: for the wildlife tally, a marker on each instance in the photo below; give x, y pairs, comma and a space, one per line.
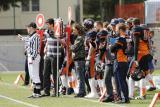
19, 77
154, 100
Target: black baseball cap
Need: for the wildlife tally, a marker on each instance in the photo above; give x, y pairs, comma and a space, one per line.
50, 21
32, 24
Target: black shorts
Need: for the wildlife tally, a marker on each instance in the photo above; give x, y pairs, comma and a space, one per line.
143, 63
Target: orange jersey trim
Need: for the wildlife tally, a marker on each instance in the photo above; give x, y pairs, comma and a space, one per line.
121, 57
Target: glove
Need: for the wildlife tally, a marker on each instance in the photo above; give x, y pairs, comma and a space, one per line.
100, 67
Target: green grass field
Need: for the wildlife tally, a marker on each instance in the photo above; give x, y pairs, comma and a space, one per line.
16, 96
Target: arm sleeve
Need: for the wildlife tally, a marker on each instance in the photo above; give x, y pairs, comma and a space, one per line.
25, 39
115, 47
136, 34
78, 43
119, 44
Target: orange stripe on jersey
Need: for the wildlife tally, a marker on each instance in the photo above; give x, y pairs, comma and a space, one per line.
143, 48
92, 64
121, 57
139, 56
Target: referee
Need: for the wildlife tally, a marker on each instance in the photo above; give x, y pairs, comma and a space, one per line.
34, 59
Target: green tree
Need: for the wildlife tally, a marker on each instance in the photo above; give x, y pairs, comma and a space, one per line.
99, 9
91, 8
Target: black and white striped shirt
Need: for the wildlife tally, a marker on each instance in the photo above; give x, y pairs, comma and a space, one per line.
34, 45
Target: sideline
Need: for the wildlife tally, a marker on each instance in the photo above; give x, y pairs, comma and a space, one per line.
109, 104
18, 101
22, 87
94, 101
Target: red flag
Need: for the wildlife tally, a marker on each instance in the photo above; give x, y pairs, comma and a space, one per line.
40, 32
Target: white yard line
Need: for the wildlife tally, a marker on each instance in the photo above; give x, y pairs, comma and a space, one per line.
109, 104
94, 101
18, 101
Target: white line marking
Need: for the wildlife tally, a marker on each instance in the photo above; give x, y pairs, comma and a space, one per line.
109, 104
18, 101
94, 101
116, 105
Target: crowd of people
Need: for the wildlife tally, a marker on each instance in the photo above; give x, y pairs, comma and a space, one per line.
97, 60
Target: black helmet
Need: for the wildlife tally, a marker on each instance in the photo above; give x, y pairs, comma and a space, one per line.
88, 23
91, 34
100, 68
102, 33
137, 74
